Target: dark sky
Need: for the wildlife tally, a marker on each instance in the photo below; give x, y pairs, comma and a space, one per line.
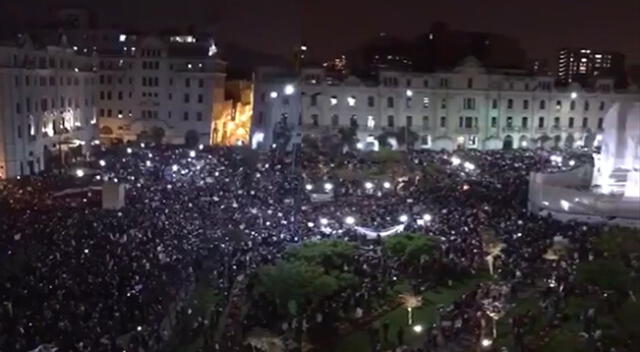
333, 26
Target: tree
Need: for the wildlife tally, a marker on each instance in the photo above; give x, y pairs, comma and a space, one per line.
157, 135
330, 255
607, 274
410, 301
191, 139
348, 136
298, 282
405, 136
409, 247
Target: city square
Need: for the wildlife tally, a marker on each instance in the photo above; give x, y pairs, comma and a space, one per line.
165, 191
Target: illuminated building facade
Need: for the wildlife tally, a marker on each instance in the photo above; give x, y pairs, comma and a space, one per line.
233, 119
585, 65
47, 113
161, 89
467, 107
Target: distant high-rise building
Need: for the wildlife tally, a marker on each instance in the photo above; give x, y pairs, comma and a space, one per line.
585, 65
439, 48
443, 48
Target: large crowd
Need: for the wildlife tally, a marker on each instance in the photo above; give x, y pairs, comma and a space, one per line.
87, 279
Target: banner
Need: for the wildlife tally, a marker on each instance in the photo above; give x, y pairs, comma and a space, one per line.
373, 234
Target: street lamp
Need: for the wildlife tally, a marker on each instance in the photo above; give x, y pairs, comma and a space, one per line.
486, 343
426, 217
403, 218
328, 186
308, 187
289, 89
455, 161
192, 153
102, 163
273, 94
386, 185
324, 221
79, 173
349, 220
409, 93
129, 150
574, 95
368, 185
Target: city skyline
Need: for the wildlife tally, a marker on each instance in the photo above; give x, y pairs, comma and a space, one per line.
331, 28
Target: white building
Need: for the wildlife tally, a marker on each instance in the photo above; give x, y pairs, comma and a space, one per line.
159, 88
469, 107
46, 106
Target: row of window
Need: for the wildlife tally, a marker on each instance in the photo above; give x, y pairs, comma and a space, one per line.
44, 104
468, 103
467, 122
444, 83
43, 81
543, 104
147, 114
147, 81
42, 62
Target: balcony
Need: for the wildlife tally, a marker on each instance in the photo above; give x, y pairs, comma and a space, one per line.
467, 130
511, 129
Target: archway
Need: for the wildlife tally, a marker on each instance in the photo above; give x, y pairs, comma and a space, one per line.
106, 130
507, 144
556, 140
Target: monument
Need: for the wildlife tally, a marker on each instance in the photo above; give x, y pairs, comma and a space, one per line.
113, 195
608, 191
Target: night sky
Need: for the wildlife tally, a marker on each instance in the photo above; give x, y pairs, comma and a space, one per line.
330, 27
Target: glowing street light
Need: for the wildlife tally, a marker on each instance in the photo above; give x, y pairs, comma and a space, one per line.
324, 221
485, 342
328, 186
574, 95
79, 173
201, 146
417, 328
427, 217
174, 168
572, 162
289, 89
192, 153
455, 161
386, 185
102, 163
129, 150
469, 166
273, 94
349, 220
403, 218
409, 93
308, 187
368, 185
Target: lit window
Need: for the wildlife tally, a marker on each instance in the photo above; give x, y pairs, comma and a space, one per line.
425, 102
351, 101
333, 100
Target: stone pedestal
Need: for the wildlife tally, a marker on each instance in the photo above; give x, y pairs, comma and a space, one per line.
113, 195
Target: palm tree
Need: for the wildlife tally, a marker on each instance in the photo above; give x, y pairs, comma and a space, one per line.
410, 301
265, 341
493, 249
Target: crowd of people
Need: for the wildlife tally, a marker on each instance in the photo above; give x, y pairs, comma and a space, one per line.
87, 279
